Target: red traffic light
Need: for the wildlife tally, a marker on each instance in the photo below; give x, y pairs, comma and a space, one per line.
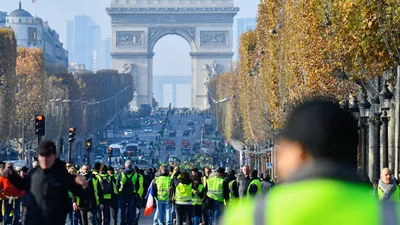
39, 117
110, 149
72, 129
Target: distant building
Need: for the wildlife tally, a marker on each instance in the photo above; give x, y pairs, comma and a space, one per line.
3, 16
84, 41
70, 38
76, 68
104, 56
241, 26
33, 32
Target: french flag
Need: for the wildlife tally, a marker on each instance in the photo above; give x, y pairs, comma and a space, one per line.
150, 200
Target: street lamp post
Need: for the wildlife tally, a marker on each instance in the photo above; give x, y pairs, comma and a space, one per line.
365, 107
386, 97
355, 110
377, 123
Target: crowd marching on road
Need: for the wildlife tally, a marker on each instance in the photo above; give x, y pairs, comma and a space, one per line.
317, 167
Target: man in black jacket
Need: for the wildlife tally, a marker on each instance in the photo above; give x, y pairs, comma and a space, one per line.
47, 186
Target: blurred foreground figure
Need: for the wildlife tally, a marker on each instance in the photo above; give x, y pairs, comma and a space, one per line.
46, 197
317, 162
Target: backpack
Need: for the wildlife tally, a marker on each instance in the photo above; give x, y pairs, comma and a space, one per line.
106, 185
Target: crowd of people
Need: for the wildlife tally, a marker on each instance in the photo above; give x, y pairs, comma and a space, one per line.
317, 163
199, 197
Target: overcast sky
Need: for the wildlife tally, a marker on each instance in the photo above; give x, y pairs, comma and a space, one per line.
172, 52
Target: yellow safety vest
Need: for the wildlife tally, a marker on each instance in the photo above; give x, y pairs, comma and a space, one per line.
318, 201
395, 195
256, 182
183, 194
124, 178
96, 191
215, 188
107, 177
163, 183
196, 200
141, 188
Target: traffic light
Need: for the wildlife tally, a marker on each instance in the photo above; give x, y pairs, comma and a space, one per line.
232, 150
88, 144
40, 125
71, 135
109, 151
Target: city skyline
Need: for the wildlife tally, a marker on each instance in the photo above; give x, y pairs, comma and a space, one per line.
59, 12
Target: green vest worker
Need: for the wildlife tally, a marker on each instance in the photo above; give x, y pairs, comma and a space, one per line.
217, 192
182, 191
387, 187
161, 193
317, 160
254, 187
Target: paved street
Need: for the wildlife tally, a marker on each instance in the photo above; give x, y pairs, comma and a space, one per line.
178, 123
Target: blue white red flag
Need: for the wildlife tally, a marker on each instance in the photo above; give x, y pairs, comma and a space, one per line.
150, 200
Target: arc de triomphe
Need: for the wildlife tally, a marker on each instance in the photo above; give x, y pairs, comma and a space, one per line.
206, 25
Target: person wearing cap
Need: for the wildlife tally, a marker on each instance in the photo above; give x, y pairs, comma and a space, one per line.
127, 186
217, 193
317, 162
46, 187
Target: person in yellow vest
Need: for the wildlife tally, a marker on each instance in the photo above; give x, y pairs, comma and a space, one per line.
127, 186
206, 175
197, 199
161, 187
387, 186
109, 190
75, 215
317, 162
96, 172
114, 196
181, 195
139, 196
217, 193
233, 185
91, 200
254, 187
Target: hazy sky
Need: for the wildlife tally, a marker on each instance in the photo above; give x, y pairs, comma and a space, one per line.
172, 52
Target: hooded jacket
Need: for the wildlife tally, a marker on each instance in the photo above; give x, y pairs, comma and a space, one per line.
46, 196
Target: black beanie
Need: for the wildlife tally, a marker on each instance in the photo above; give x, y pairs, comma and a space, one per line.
47, 148
325, 130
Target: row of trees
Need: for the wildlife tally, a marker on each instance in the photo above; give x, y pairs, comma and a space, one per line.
301, 49
85, 101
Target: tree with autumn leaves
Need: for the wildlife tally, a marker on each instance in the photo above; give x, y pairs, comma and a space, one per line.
29, 87
302, 49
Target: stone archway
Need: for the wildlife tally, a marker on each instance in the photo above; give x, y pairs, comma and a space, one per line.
206, 25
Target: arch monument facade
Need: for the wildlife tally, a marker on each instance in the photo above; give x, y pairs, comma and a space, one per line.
206, 25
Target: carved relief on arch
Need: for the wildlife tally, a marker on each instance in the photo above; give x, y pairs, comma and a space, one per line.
156, 33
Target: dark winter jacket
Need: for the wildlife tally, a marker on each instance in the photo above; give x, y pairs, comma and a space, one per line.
46, 196
242, 182
88, 200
